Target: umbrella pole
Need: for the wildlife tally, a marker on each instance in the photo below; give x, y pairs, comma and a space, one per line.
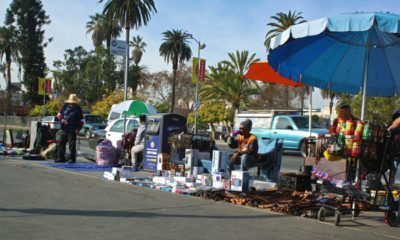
310, 114
364, 96
364, 93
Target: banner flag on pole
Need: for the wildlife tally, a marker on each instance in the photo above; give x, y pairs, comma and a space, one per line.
196, 70
44, 85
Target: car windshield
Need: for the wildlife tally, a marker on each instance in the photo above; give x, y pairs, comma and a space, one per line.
302, 122
93, 119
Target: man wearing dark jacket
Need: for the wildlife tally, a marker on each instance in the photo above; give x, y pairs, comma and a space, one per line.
71, 117
247, 148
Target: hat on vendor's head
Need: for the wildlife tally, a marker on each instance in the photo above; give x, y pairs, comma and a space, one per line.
247, 124
72, 99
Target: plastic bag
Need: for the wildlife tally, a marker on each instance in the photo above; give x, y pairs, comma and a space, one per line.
106, 154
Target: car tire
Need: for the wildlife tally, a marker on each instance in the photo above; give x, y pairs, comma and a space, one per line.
88, 134
303, 148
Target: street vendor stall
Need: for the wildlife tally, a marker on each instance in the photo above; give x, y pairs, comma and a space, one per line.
345, 53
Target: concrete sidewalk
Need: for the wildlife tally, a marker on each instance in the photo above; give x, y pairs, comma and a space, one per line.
39, 202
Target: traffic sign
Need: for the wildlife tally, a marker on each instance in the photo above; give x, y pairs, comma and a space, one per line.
118, 47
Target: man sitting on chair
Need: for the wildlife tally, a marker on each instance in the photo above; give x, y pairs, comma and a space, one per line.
138, 146
247, 148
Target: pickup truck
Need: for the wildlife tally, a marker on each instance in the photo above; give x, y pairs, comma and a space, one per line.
288, 125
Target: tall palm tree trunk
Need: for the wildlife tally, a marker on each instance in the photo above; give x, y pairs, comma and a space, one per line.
8, 100
173, 89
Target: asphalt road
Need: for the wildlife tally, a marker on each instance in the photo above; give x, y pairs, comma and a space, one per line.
39, 202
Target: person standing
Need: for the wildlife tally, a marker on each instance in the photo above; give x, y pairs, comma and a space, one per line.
344, 115
247, 151
71, 117
138, 146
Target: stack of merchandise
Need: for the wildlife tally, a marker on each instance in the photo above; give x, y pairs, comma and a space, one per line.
356, 139
11, 151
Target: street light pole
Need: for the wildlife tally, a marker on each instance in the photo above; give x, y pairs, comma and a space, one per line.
196, 105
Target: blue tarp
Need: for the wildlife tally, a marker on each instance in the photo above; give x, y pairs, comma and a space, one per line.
79, 167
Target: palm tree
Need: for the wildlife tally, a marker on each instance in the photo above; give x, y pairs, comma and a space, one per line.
176, 49
240, 63
102, 29
129, 14
138, 48
331, 95
282, 22
224, 84
9, 51
3, 70
96, 27
135, 74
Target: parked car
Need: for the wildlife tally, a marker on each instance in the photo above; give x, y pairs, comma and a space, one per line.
288, 125
91, 123
96, 137
113, 131
52, 121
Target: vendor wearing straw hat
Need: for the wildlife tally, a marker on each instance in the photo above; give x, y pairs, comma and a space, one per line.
71, 117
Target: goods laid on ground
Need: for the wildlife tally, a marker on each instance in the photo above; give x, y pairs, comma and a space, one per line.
7, 151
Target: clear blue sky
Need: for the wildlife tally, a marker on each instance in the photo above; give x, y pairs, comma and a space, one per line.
224, 25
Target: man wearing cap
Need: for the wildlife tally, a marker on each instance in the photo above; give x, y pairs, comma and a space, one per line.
71, 117
247, 148
344, 114
138, 146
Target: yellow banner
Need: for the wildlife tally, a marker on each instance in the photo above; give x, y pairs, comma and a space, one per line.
41, 86
44, 84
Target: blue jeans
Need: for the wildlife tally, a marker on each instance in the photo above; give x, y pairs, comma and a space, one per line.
246, 161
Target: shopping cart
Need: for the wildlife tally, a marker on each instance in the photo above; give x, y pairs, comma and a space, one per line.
353, 195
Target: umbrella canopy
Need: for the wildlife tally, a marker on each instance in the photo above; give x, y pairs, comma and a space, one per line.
342, 53
262, 71
137, 108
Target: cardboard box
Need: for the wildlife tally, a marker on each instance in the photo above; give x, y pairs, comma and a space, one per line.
162, 162
110, 176
263, 185
115, 170
217, 181
239, 181
206, 179
219, 161
191, 160
126, 173
160, 180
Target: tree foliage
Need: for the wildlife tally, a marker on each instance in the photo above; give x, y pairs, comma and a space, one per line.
10, 53
175, 48
102, 29
103, 107
281, 22
378, 110
52, 108
224, 84
28, 18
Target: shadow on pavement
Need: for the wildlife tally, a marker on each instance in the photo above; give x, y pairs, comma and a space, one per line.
140, 213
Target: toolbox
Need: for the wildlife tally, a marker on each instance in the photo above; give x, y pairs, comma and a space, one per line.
294, 181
